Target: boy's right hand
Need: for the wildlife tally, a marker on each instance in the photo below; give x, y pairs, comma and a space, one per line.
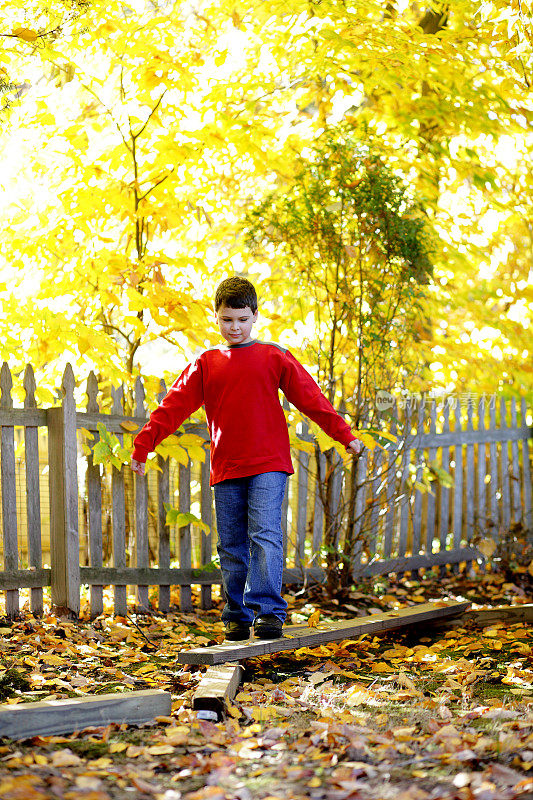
137, 466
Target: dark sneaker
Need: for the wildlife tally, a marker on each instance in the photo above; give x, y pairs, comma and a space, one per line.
237, 631
268, 626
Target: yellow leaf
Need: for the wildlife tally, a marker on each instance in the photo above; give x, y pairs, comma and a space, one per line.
129, 426
233, 710
381, 666
487, 547
262, 713
312, 622
118, 747
161, 750
26, 34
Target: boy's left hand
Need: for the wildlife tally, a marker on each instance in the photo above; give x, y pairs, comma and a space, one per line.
355, 447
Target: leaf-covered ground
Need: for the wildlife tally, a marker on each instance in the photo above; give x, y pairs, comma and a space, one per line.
407, 715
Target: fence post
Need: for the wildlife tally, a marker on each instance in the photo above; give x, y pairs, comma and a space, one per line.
9, 492
63, 482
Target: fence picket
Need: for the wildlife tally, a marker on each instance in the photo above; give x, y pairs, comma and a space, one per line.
185, 534
458, 485
526, 474
318, 517
469, 480
63, 491
481, 472
9, 492
119, 515
361, 476
515, 468
417, 512
404, 502
163, 532
33, 491
504, 457
141, 509
206, 511
362, 479
378, 493
494, 511
444, 490
391, 483
301, 511
285, 503
431, 498
94, 500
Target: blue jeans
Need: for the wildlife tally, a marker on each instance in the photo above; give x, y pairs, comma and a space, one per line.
250, 545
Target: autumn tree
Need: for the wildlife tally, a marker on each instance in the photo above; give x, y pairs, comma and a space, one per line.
357, 246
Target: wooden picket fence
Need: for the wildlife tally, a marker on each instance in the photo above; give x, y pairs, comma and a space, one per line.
398, 527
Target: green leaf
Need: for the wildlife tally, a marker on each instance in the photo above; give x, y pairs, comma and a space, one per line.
182, 518
101, 453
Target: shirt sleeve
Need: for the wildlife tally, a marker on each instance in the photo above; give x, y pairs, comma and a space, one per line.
183, 398
303, 391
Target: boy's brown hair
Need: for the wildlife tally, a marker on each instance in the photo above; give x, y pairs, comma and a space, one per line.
236, 292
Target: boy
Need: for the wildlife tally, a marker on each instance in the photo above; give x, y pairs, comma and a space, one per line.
250, 454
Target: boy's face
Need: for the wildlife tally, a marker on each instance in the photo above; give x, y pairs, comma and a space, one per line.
235, 324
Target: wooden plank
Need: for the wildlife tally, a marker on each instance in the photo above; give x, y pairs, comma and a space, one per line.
18, 417
9, 492
526, 475
94, 502
218, 685
63, 490
427, 560
33, 490
206, 513
166, 577
25, 578
113, 423
431, 498
504, 459
458, 481
184, 534
119, 516
297, 636
445, 491
515, 470
483, 617
141, 510
50, 717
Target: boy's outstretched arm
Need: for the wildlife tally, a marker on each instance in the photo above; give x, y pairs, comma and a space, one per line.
303, 391
183, 398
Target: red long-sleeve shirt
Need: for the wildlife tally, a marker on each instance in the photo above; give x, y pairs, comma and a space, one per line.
239, 386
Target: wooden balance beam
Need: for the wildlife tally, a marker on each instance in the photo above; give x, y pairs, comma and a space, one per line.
220, 683
296, 636
49, 717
